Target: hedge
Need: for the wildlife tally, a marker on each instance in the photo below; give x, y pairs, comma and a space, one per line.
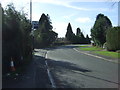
113, 39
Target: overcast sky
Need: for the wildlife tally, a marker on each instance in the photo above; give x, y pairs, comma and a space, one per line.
78, 13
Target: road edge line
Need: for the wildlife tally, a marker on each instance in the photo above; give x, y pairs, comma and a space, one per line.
48, 72
96, 56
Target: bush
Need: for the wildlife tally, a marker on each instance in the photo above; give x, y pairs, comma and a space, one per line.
16, 38
113, 39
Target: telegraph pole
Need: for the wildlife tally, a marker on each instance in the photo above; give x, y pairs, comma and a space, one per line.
31, 23
1, 12
30, 11
118, 13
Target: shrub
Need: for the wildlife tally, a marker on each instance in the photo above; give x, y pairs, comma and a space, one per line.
113, 39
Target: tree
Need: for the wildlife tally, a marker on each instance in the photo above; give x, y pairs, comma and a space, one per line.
44, 35
45, 22
82, 39
69, 34
99, 30
78, 32
88, 39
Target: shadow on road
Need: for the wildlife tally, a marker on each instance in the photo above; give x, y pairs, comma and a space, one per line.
63, 67
66, 65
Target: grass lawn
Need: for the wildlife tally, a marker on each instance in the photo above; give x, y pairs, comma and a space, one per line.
100, 52
84, 45
108, 53
91, 49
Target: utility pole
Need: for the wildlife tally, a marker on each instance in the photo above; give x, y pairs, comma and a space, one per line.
31, 23
1, 12
119, 13
30, 11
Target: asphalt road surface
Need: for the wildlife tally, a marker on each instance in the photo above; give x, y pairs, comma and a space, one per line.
72, 69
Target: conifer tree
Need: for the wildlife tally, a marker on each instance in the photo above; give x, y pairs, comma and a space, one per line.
69, 34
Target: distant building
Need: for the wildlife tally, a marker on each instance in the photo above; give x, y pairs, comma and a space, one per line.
35, 24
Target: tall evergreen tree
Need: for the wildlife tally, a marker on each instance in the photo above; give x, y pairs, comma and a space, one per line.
45, 23
99, 30
69, 34
44, 35
78, 32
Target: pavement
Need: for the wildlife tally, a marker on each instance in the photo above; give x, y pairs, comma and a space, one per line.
35, 75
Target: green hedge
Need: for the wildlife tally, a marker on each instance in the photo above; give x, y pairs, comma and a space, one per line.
113, 39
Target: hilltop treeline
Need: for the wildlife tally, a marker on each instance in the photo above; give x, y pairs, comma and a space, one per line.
79, 38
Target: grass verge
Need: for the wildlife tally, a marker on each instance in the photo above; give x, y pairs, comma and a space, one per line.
100, 51
91, 49
108, 53
84, 46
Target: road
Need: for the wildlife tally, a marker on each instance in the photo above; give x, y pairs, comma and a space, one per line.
72, 69
65, 67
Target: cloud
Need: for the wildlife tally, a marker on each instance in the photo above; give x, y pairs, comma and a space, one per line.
68, 4
65, 3
83, 19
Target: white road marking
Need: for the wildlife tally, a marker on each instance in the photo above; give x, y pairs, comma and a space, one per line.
49, 74
95, 56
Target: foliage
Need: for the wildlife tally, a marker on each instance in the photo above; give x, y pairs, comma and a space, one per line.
79, 38
99, 51
88, 40
91, 48
69, 34
44, 36
16, 38
108, 53
113, 38
99, 30
78, 32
